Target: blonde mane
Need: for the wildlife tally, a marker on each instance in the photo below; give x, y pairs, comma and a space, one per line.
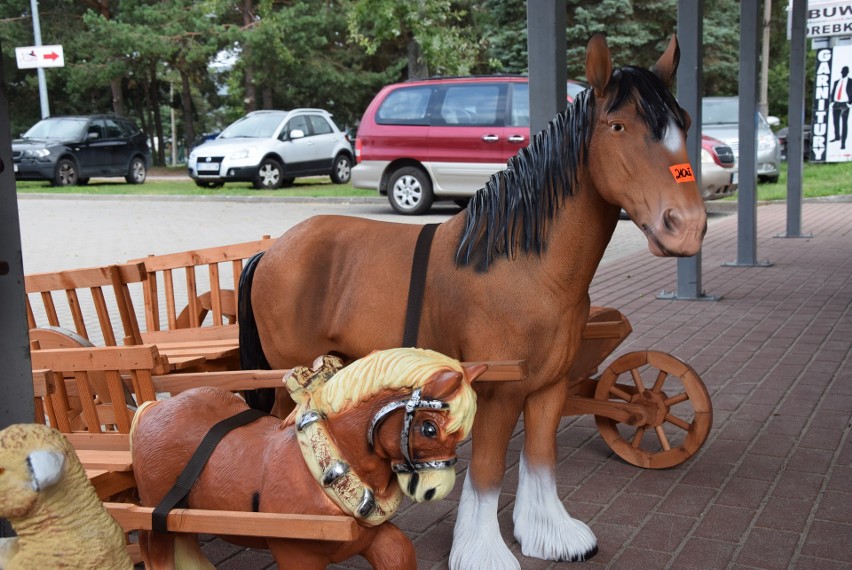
396, 369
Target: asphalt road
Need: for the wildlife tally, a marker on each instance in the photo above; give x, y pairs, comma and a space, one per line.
66, 232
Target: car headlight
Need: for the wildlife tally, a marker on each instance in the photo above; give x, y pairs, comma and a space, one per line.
706, 156
192, 155
242, 153
766, 142
36, 153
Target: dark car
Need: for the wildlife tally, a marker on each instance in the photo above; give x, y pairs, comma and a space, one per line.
71, 150
806, 141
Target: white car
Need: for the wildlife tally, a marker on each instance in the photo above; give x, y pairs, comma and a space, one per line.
271, 149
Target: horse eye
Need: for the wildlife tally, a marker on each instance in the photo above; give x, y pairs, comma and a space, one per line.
617, 127
429, 430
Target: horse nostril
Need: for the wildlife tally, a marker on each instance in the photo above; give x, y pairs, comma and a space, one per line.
671, 221
429, 494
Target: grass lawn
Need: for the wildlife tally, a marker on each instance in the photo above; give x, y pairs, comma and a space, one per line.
819, 180
182, 185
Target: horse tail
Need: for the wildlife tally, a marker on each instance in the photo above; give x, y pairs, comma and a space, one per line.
251, 351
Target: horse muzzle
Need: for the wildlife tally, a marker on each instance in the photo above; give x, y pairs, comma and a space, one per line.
677, 232
428, 484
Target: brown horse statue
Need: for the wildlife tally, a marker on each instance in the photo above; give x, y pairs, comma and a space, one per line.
508, 278
386, 425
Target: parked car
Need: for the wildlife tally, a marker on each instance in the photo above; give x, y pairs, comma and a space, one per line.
720, 119
271, 149
441, 139
71, 150
718, 169
783, 135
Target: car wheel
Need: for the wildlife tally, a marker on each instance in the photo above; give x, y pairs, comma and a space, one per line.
137, 172
269, 175
410, 191
204, 184
82, 181
770, 179
66, 173
342, 169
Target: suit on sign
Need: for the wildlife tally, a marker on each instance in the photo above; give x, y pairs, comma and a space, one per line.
841, 97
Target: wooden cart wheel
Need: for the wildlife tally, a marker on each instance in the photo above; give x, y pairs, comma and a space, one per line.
678, 409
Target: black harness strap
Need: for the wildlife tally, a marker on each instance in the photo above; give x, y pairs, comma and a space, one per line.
417, 285
186, 480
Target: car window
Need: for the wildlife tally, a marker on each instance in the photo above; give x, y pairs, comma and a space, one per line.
96, 130
720, 111
319, 125
405, 106
65, 128
113, 131
299, 122
520, 111
128, 129
470, 105
260, 125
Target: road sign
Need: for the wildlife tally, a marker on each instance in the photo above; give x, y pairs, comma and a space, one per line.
39, 56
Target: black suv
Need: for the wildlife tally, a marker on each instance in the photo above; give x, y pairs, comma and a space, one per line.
70, 150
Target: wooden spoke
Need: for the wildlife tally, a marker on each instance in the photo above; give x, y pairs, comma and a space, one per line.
682, 397
661, 435
674, 420
676, 439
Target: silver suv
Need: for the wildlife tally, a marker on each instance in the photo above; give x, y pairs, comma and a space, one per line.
271, 149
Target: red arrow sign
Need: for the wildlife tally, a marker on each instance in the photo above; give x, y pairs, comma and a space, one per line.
51, 55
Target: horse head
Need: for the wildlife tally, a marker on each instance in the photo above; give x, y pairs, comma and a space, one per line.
421, 444
637, 152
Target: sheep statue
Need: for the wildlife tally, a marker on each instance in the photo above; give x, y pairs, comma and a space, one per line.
44, 494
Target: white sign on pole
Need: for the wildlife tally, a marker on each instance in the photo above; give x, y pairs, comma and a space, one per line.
829, 18
31, 57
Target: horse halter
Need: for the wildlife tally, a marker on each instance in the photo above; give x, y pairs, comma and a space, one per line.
412, 404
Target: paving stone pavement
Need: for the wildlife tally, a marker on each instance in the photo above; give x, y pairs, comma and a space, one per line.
772, 486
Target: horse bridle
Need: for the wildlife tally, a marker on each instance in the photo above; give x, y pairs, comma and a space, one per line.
411, 405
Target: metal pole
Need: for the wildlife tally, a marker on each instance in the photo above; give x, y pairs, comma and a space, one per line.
547, 61
42, 80
690, 86
747, 193
764, 59
795, 120
16, 384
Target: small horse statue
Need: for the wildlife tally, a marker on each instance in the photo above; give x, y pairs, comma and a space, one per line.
360, 438
508, 279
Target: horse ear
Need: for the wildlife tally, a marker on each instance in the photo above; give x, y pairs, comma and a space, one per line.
598, 64
474, 371
443, 385
666, 66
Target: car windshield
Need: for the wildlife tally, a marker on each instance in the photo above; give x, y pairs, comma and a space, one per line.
720, 111
261, 126
66, 129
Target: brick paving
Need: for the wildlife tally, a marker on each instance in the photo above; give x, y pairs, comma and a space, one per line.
772, 486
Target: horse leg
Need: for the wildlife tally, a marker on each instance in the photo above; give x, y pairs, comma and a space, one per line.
476, 538
188, 553
158, 550
542, 525
390, 549
289, 556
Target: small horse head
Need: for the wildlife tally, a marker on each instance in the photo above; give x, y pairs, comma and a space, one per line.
418, 432
637, 151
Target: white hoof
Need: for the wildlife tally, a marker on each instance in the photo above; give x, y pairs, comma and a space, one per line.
477, 542
542, 525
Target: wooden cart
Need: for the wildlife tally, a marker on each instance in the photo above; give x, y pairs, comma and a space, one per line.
651, 408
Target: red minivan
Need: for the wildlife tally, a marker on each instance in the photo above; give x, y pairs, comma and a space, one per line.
441, 139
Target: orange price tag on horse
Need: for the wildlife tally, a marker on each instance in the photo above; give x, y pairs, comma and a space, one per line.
682, 173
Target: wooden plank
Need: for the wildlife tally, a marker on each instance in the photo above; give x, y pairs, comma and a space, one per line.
229, 380
237, 523
98, 358
224, 332
105, 459
606, 329
204, 256
109, 483
502, 370
99, 442
82, 278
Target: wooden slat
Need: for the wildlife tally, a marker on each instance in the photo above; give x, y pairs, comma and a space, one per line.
502, 371
82, 278
169, 287
216, 254
215, 294
237, 523
87, 400
106, 459
192, 297
49, 308
104, 320
99, 442
76, 312
109, 483
229, 380
606, 329
99, 358
203, 334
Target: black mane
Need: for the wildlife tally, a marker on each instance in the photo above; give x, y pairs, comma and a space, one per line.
516, 206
